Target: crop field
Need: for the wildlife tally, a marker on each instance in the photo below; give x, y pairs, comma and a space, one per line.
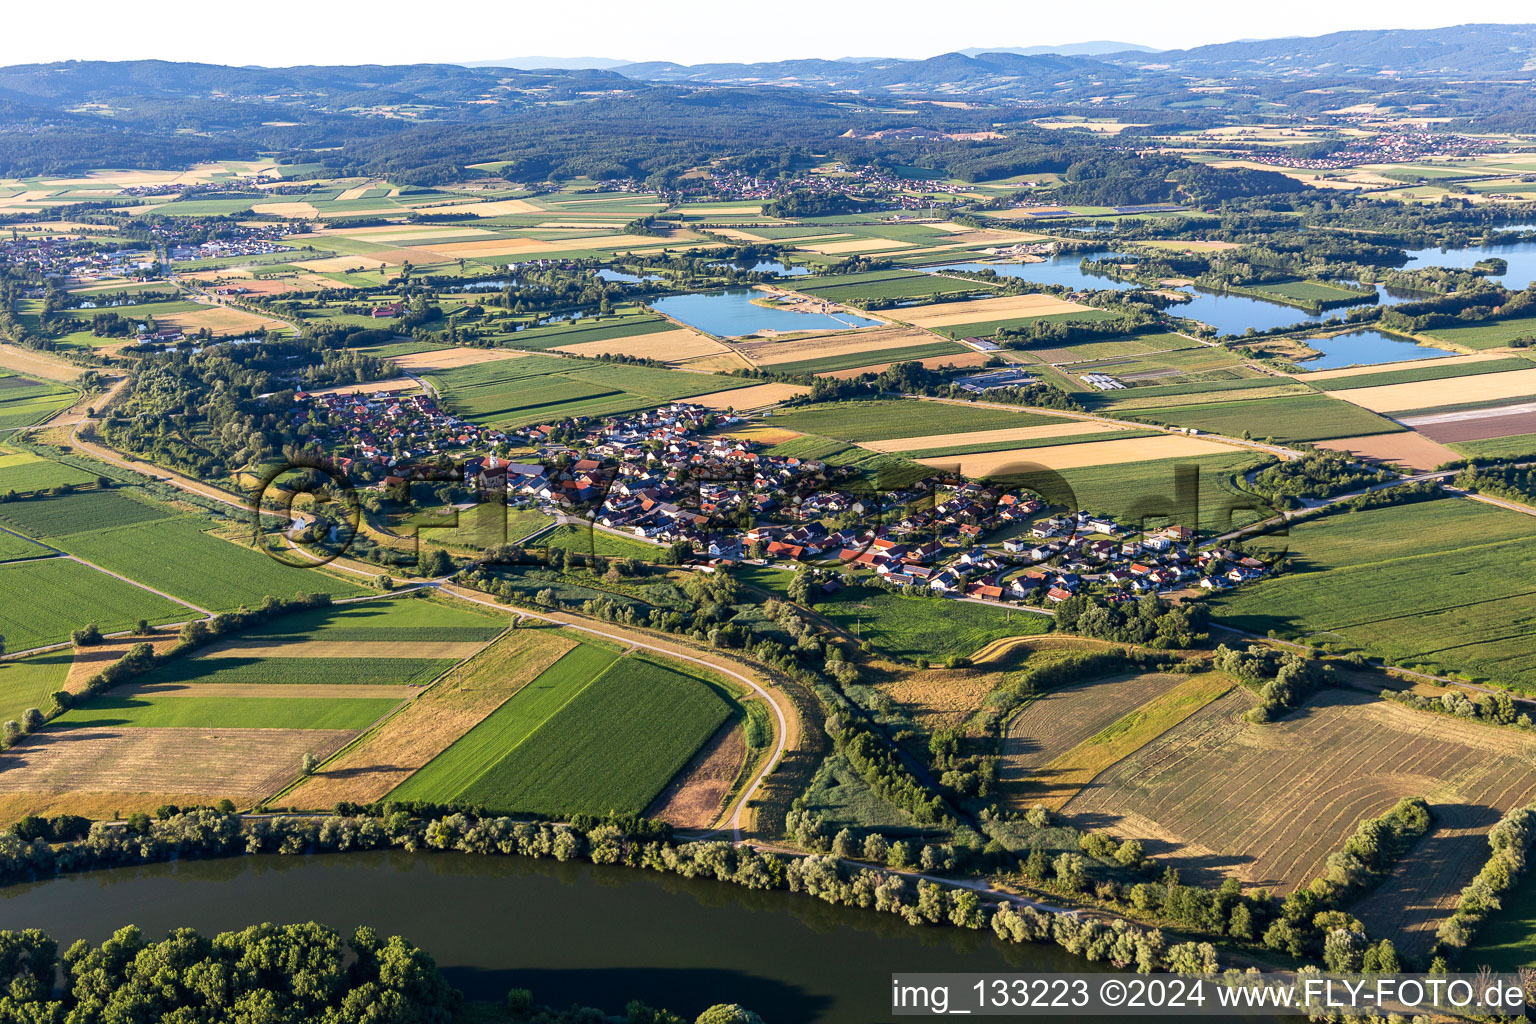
613, 747
889, 285
1057, 721
1092, 432
27, 682
397, 620
1089, 452
981, 311
1435, 369
450, 774
13, 547
1445, 585
24, 472
53, 517
426, 727
278, 670
1494, 334
672, 346
754, 397
1300, 418
882, 421
178, 712
857, 360
1218, 783
178, 557
1427, 394
1151, 491
871, 343
1308, 291
54, 596
546, 388
980, 438
1513, 447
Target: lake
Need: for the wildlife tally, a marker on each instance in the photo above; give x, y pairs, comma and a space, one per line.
768, 267
1063, 270
1366, 348
570, 932
1520, 255
731, 313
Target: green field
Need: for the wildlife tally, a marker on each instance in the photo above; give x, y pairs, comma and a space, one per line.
24, 472
1445, 585
1418, 373
401, 619
850, 360
1293, 418
450, 773
883, 421
586, 541
1038, 442
987, 328
178, 557
50, 597
1151, 491
889, 284
1506, 941
299, 671
27, 682
226, 713
1494, 334
13, 547
1513, 447
53, 517
614, 747
910, 627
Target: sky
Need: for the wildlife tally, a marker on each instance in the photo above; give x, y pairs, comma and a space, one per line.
286, 32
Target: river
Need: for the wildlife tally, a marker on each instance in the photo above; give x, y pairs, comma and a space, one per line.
570, 932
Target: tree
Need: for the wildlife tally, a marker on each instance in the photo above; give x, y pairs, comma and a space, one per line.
308, 764
32, 719
86, 635
728, 1013
12, 731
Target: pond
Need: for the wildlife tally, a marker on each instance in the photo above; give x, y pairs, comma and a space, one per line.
484, 285
1521, 257
1366, 348
618, 275
570, 932
732, 313
768, 267
1061, 270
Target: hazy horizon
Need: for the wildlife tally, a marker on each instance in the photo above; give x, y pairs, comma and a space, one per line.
684, 31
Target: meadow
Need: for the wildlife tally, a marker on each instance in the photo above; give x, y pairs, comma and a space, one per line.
277, 670
1441, 585
852, 360
889, 285
1415, 374
1493, 334
13, 547
29, 682
24, 473
177, 712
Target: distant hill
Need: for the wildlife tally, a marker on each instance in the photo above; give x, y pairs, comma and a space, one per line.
952, 73
1092, 48
555, 63
1500, 50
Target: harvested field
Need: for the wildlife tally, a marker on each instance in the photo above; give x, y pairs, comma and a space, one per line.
1076, 456
940, 699
372, 387
1057, 721
855, 245
1475, 424
980, 437
342, 264
1007, 307
693, 799
398, 747
492, 209
238, 763
1130, 726
449, 358
36, 364
97, 806
1407, 449
1276, 799
1428, 394
91, 660
222, 321
755, 397
298, 211
489, 247
455, 649
738, 235
768, 353
666, 346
